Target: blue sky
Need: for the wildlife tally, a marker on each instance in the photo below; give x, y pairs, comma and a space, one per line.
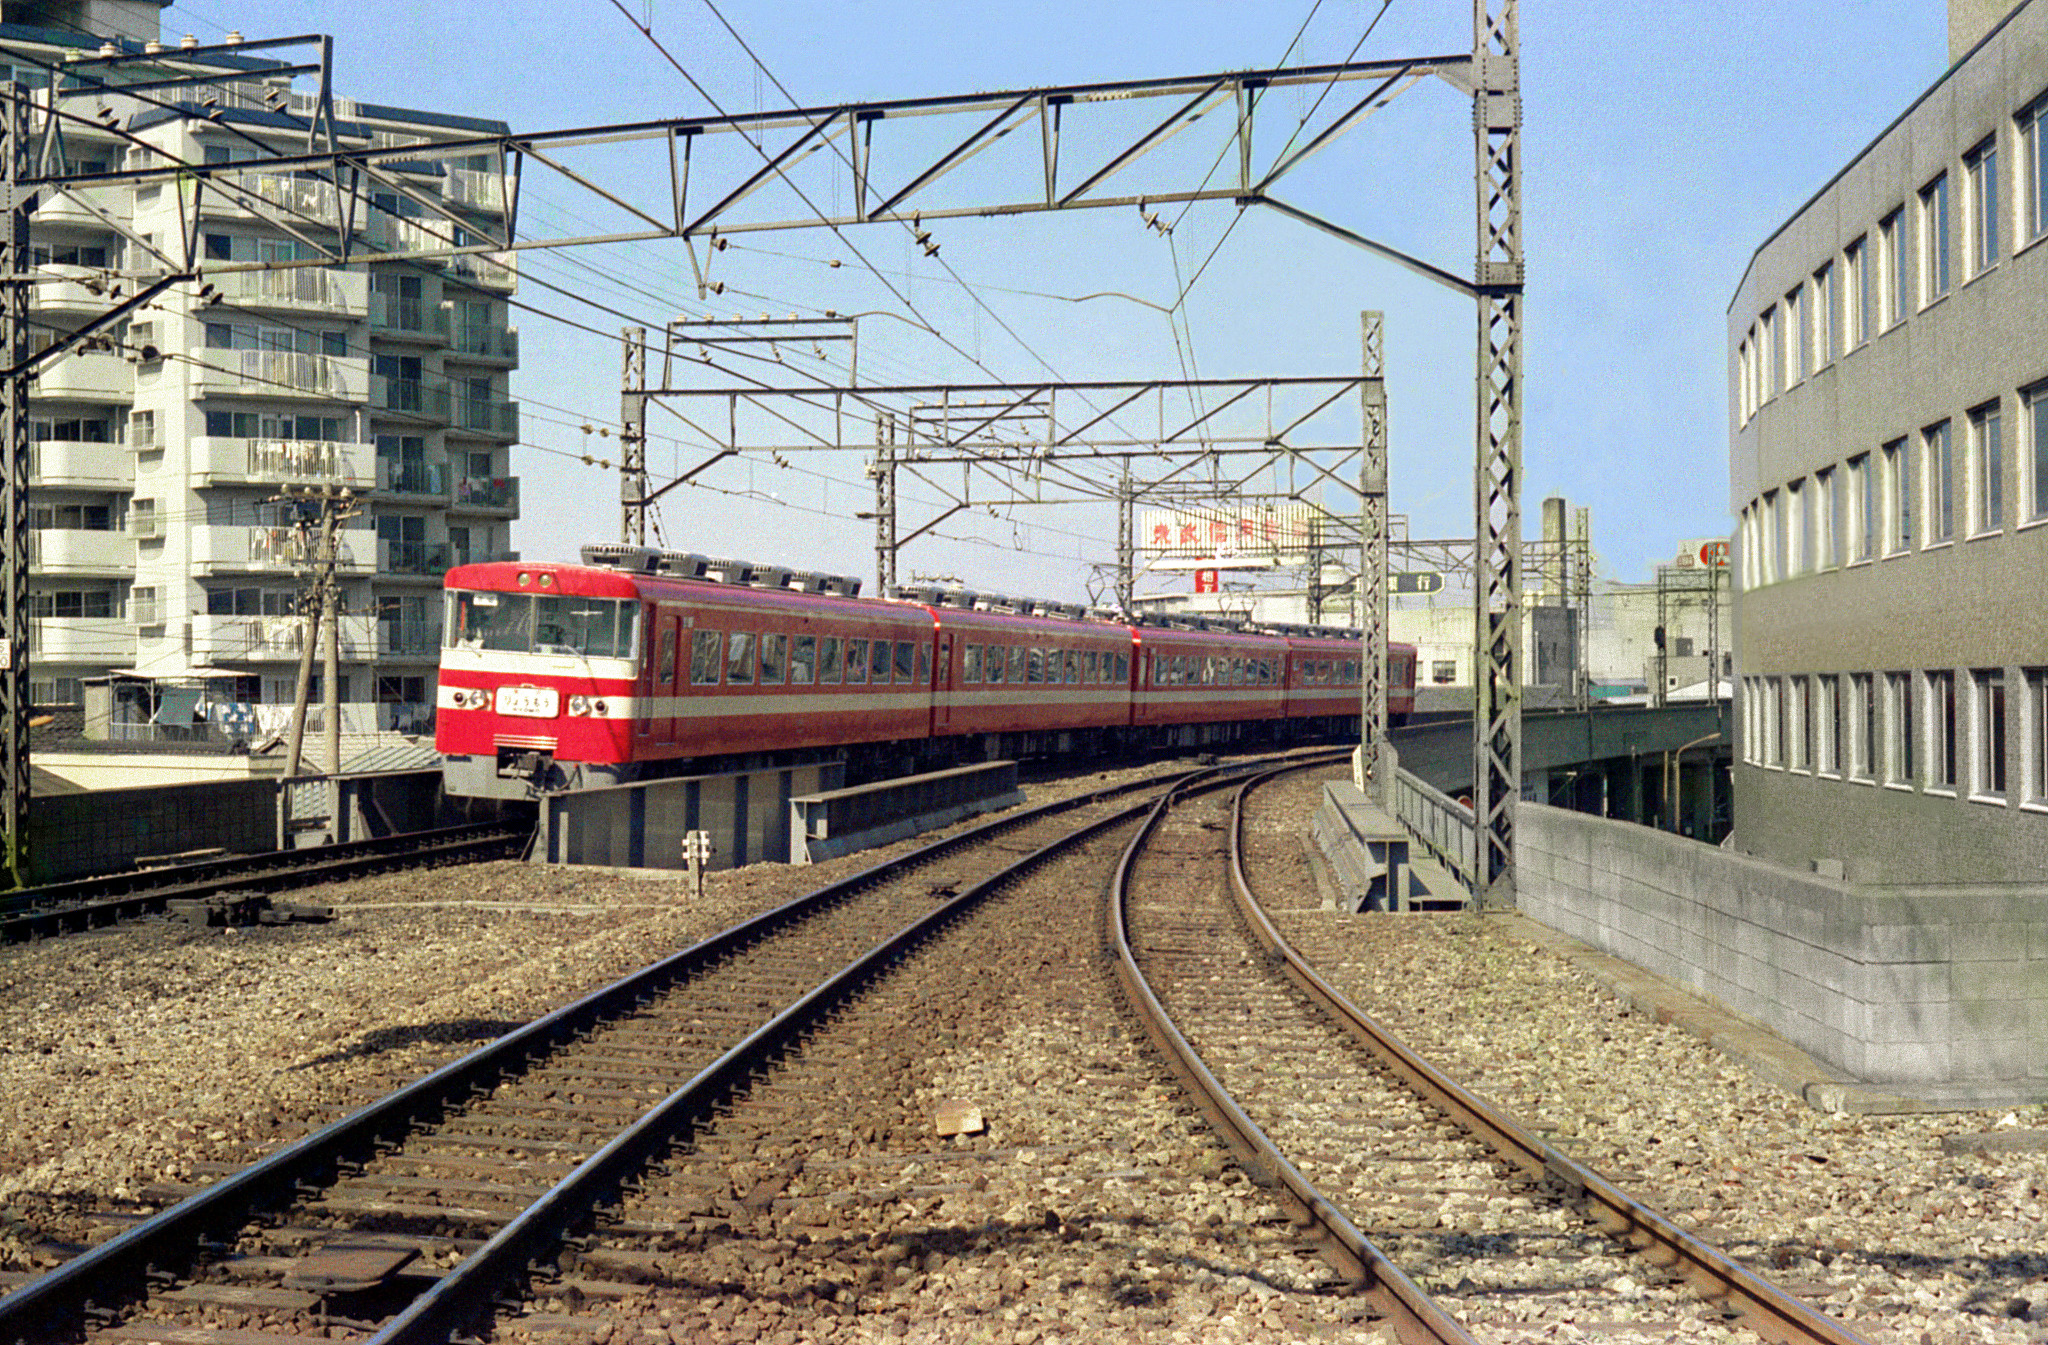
1661, 143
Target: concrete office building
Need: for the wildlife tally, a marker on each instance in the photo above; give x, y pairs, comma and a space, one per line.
1888, 374
159, 547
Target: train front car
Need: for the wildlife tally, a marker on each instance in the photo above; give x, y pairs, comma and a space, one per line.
539, 665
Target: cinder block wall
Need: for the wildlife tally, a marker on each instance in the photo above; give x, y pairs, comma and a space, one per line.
1921, 986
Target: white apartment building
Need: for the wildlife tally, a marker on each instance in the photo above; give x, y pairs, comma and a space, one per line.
161, 544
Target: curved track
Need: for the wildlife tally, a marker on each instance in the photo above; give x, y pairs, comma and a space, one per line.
1372, 1145
405, 1221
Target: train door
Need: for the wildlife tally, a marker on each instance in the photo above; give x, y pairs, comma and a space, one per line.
669, 662
942, 699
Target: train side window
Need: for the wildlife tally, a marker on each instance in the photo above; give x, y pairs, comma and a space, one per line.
1035, 670
803, 660
1091, 666
739, 659
992, 663
924, 666
878, 662
774, 657
970, 663
1017, 661
906, 661
668, 657
1123, 668
828, 660
707, 653
857, 661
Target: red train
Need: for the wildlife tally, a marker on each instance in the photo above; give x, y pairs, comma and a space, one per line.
643, 663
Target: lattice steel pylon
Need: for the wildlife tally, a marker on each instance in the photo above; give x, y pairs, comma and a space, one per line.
633, 440
15, 279
1497, 596
1372, 560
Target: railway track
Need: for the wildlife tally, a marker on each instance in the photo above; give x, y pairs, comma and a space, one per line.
406, 1220
1381, 1153
92, 903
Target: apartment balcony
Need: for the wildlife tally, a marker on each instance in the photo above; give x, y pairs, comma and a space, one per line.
484, 418
485, 345
409, 639
103, 640
308, 289
65, 208
481, 270
424, 479
64, 462
81, 551
412, 560
86, 378
220, 640
479, 191
397, 318
498, 494
281, 461
278, 373
262, 195
257, 550
409, 397
78, 289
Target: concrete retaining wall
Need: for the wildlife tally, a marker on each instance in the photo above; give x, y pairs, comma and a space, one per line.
103, 831
1943, 990
642, 825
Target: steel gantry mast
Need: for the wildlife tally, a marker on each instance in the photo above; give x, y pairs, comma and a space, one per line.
1372, 559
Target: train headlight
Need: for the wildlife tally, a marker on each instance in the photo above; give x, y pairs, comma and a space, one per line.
579, 705
598, 707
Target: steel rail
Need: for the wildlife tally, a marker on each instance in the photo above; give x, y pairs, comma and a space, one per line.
1417, 1319
115, 1270
92, 903
1754, 1301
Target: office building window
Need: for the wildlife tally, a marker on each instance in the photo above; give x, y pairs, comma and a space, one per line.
1934, 243
1856, 294
1773, 539
1941, 729
1827, 318
1798, 529
1862, 508
1827, 519
1797, 358
1747, 709
2034, 753
1863, 727
1742, 381
1774, 721
1828, 712
2036, 453
1987, 470
1937, 472
1772, 349
1898, 498
1980, 171
1802, 723
1898, 728
1987, 732
1891, 260
2031, 184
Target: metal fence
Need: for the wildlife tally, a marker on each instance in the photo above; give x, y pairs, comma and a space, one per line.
1440, 824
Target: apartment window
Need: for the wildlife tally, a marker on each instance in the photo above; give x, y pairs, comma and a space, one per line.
1443, 671
1862, 508
1898, 498
1797, 364
1941, 729
1828, 725
1937, 469
1934, 277
1827, 318
1891, 260
1987, 470
1987, 735
1864, 736
2032, 184
2035, 757
1898, 726
1980, 175
2034, 456
1856, 294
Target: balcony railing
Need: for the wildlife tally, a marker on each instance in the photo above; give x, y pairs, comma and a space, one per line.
476, 415
478, 269
81, 551
413, 478
94, 639
90, 378
273, 373
409, 397
304, 195
428, 558
308, 288
62, 461
480, 191
498, 492
422, 638
487, 343
266, 639
238, 548
404, 316
146, 611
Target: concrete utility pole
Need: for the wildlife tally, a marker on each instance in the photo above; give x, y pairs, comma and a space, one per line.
323, 619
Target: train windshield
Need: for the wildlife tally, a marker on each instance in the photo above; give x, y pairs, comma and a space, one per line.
526, 623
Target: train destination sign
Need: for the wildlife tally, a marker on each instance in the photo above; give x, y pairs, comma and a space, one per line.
1424, 581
